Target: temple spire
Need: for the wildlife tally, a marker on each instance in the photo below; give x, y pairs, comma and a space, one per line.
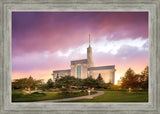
89, 54
89, 39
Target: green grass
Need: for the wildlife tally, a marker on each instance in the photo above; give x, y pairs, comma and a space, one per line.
24, 97
108, 96
19, 96
118, 96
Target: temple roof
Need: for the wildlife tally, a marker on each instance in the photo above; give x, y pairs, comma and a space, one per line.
62, 71
81, 61
111, 67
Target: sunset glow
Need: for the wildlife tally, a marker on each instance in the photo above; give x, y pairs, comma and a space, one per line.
46, 41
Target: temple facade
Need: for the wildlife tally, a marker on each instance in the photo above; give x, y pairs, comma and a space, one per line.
85, 67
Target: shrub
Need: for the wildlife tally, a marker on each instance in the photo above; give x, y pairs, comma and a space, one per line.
106, 85
16, 95
37, 94
63, 89
114, 87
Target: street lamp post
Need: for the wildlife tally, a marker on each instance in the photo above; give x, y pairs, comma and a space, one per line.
89, 92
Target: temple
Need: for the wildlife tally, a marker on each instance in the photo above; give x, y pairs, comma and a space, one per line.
85, 67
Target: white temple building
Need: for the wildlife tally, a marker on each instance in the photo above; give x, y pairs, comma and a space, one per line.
85, 67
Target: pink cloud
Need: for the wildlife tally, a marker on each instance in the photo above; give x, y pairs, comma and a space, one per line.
36, 32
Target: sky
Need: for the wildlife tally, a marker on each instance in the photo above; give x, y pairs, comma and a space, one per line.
47, 41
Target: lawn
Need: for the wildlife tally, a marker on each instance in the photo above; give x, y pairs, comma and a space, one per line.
118, 96
108, 96
19, 96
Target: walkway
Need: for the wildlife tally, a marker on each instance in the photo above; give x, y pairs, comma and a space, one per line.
76, 98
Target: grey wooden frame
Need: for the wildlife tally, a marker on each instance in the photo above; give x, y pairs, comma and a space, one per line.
152, 6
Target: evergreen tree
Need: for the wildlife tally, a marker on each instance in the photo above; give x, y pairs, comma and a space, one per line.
129, 80
66, 81
132, 80
89, 82
145, 78
50, 84
100, 81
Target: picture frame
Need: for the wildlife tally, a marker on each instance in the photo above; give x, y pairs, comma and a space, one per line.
8, 6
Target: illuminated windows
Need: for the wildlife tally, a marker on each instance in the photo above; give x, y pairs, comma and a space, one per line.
79, 71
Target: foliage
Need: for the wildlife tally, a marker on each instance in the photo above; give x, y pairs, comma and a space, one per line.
43, 86
21, 95
100, 77
19, 83
38, 94
129, 80
114, 87
144, 82
107, 85
100, 81
26, 83
31, 82
24, 97
90, 82
135, 81
66, 81
78, 82
49, 84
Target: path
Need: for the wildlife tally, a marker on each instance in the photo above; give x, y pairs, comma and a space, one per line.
76, 98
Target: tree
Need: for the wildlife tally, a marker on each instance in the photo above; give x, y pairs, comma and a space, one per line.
78, 82
43, 86
50, 84
138, 80
100, 81
32, 83
144, 81
66, 81
19, 83
90, 82
130, 79
29, 83
100, 77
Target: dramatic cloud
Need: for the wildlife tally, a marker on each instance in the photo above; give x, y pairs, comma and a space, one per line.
52, 31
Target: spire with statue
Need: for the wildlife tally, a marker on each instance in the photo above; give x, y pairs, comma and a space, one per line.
89, 54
